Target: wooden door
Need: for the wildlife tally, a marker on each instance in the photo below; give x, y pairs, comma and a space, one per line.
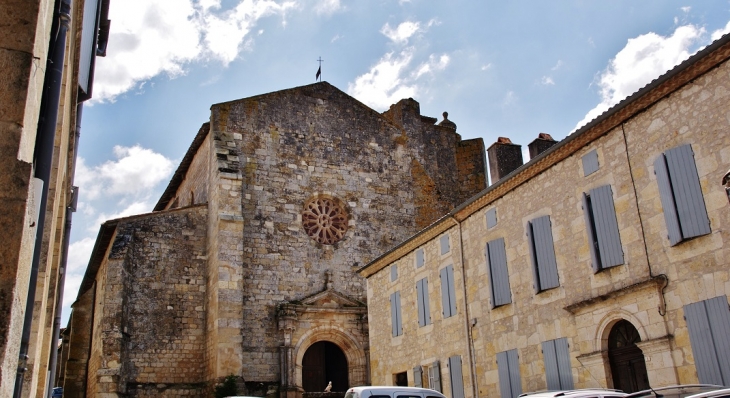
627, 361
324, 362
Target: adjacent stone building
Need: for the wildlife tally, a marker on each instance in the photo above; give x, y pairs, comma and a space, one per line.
601, 262
47, 55
246, 266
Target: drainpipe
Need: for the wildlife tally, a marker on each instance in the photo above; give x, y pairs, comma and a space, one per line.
70, 209
43, 158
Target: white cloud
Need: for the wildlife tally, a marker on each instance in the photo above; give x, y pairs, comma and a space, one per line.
138, 207
402, 32
487, 66
557, 65
720, 32
510, 98
78, 258
643, 59
327, 7
547, 81
152, 37
685, 9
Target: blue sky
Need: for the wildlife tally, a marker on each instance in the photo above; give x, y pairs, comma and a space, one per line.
500, 68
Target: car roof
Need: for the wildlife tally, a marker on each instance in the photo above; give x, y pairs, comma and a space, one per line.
679, 391
391, 388
575, 393
711, 394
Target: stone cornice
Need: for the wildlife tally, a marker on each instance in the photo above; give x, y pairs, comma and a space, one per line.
657, 282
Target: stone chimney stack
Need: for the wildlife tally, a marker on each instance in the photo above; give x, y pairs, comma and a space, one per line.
504, 158
541, 143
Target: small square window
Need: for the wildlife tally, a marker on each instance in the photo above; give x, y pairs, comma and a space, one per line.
491, 217
445, 246
590, 163
420, 258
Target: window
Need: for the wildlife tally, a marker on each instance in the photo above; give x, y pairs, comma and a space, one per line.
448, 296
681, 195
498, 274
491, 217
456, 377
557, 364
708, 322
400, 379
418, 376
544, 266
434, 376
590, 163
424, 310
420, 259
393, 272
445, 247
395, 314
508, 368
603, 237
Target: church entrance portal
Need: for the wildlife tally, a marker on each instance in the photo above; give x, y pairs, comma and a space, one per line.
324, 362
627, 361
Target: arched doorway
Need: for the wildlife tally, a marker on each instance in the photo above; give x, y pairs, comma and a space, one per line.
324, 362
627, 361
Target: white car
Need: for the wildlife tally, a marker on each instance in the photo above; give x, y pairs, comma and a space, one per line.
582, 393
392, 392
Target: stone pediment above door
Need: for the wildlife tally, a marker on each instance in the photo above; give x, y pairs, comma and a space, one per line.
330, 299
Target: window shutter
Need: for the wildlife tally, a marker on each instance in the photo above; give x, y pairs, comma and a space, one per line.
419, 294
418, 376
604, 216
498, 273
394, 313
434, 372
400, 319
691, 209
393, 272
592, 242
552, 377
457, 379
426, 304
419, 258
590, 163
452, 292
667, 197
514, 372
491, 217
547, 267
505, 387
562, 355
533, 258
708, 322
445, 247
448, 296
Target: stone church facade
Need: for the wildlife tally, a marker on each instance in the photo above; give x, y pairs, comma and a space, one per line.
246, 266
602, 262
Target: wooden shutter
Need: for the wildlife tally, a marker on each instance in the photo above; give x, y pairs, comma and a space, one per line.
607, 235
533, 258
419, 258
393, 272
424, 312
547, 267
514, 372
590, 163
498, 273
674, 233
445, 247
505, 387
491, 217
418, 376
687, 191
708, 322
452, 291
562, 355
457, 379
395, 314
592, 241
552, 376
434, 376
448, 296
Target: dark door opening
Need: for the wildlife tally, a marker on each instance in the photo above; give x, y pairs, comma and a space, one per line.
627, 361
324, 362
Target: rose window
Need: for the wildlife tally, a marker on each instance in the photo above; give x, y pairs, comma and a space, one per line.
325, 220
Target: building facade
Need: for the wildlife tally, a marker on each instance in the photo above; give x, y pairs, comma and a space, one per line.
599, 263
246, 266
47, 53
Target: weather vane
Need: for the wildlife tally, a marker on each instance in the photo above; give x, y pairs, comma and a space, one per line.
319, 70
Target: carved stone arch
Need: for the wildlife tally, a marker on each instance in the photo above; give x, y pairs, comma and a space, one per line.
600, 342
354, 352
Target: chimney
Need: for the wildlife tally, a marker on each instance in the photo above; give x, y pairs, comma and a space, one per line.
504, 158
541, 144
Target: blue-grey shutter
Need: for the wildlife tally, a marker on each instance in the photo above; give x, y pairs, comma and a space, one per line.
514, 372
590, 163
708, 322
400, 314
394, 313
434, 372
491, 217
418, 376
547, 267
533, 258
562, 355
452, 292
498, 274
505, 387
419, 258
419, 301
393, 272
604, 216
87, 52
674, 233
426, 305
552, 376
592, 242
445, 247
691, 209
457, 379
445, 305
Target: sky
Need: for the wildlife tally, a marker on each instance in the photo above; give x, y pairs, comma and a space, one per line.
500, 68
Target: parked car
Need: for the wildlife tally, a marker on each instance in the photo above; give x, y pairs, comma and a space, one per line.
392, 392
723, 393
680, 391
581, 393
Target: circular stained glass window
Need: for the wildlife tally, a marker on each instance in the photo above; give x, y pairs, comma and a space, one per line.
325, 220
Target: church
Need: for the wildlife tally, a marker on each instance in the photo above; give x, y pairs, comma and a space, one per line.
247, 266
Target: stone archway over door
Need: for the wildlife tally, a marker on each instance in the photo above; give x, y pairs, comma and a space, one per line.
324, 362
628, 366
